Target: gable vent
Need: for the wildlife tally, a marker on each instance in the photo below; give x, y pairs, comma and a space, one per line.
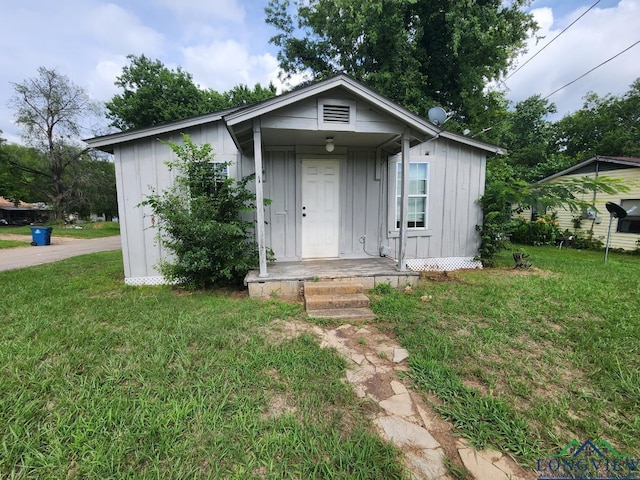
336, 114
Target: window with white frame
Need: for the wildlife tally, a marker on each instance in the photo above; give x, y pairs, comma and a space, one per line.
221, 170
199, 171
418, 194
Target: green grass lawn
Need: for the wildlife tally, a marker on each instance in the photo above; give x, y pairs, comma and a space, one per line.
98, 379
13, 243
88, 230
526, 361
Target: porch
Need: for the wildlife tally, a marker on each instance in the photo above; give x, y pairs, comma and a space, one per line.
286, 279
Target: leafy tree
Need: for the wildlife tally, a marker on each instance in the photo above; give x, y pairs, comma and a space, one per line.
529, 138
200, 220
154, 94
243, 95
51, 109
603, 126
89, 182
16, 165
417, 52
7, 182
95, 191
529, 133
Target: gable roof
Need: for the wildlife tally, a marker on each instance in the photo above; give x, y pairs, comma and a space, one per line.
235, 116
106, 142
622, 161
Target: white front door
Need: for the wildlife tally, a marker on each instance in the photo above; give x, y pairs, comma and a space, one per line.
320, 208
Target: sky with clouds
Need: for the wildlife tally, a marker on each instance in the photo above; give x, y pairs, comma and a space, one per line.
223, 43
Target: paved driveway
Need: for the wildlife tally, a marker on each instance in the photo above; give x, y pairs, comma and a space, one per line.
60, 248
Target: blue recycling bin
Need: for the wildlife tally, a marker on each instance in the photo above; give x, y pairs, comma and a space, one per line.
41, 236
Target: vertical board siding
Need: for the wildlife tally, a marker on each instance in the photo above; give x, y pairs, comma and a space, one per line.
280, 215
465, 221
123, 173
140, 168
456, 182
135, 219
360, 209
450, 193
359, 205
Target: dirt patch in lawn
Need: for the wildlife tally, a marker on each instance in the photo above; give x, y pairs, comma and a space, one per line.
442, 276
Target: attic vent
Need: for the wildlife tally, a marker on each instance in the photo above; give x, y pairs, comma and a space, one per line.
336, 114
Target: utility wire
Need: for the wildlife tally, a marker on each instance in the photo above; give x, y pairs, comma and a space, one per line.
565, 85
552, 40
594, 68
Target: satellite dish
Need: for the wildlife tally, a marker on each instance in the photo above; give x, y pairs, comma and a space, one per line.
616, 210
437, 115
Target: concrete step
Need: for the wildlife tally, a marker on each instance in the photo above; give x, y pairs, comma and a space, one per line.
353, 314
330, 288
339, 300
336, 301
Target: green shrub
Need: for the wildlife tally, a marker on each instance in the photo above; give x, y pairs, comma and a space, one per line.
493, 238
496, 206
541, 231
200, 220
586, 241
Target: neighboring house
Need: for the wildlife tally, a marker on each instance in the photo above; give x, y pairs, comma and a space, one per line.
329, 156
21, 213
624, 232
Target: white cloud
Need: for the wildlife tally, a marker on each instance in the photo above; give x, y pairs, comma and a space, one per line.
599, 35
229, 10
544, 18
120, 31
283, 84
101, 79
222, 65
225, 42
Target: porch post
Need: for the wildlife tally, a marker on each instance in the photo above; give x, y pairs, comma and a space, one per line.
260, 232
404, 202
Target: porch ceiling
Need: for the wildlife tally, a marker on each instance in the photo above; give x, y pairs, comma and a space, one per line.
389, 141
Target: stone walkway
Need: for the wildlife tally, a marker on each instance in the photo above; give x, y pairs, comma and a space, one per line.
376, 366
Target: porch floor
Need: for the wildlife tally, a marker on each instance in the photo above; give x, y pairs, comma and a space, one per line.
286, 279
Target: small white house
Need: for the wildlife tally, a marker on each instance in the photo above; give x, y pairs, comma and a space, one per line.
350, 175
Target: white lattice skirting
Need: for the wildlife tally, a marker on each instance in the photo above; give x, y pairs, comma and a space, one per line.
442, 264
138, 281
